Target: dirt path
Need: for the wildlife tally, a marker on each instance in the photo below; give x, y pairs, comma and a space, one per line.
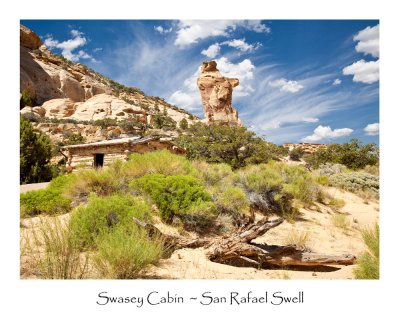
32, 186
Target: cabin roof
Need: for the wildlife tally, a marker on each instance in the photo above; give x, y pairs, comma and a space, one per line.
130, 140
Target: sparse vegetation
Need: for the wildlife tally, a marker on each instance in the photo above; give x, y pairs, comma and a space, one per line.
336, 203
223, 144
357, 182
59, 256
299, 238
296, 154
340, 221
35, 154
26, 100
183, 124
368, 262
353, 154
123, 254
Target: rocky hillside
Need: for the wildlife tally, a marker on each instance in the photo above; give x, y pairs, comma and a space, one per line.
58, 94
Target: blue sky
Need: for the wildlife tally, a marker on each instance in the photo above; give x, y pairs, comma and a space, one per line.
300, 80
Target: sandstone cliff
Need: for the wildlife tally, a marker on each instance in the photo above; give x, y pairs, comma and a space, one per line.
67, 91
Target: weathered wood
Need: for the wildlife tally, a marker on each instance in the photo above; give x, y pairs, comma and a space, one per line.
238, 250
264, 255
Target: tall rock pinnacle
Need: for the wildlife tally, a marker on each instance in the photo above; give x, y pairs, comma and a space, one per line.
216, 95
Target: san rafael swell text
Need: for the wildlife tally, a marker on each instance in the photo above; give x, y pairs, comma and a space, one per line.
155, 298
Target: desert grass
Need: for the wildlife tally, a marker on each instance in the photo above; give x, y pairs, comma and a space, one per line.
52, 252
124, 255
341, 221
368, 262
299, 238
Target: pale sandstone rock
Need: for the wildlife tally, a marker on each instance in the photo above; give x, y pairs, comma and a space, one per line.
70, 87
59, 108
216, 95
29, 39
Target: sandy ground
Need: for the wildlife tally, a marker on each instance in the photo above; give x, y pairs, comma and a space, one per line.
32, 186
324, 237
315, 223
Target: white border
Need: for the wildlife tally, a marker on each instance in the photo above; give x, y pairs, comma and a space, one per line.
76, 299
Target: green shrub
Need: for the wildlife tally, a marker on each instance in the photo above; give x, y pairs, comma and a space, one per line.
356, 182
295, 154
101, 215
232, 201
214, 173
51, 200
353, 154
43, 201
199, 217
123, 254
183, 124
74, 138
368, 262
272, 187
227, 144
25, 99
163, 121
163, 162
102, 182
173, 195
322, 180
35, 154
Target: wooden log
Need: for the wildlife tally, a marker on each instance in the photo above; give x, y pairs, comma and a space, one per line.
238, 250
264, 256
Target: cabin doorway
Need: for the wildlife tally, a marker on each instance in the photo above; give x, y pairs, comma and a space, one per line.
98, 160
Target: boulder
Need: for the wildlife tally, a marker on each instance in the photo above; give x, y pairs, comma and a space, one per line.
59, 108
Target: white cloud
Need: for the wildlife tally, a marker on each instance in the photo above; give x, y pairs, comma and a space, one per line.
310, 119
286, 85
257, 26
191, 31
212, 51
368, 41
243, 70
362, 71
162, 30
97, 49
321, 133
336, 82
67, 47
242, 45
187, 100
372, 129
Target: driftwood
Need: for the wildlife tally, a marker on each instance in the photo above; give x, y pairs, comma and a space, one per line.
237, 249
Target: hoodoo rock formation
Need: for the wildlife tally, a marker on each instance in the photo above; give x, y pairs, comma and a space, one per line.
216, 95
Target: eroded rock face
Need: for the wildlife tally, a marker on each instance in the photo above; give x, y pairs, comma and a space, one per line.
45, 78
216, 95
29, 39
99, 107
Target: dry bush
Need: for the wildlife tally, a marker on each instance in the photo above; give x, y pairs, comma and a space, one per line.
53, 252
299, 238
